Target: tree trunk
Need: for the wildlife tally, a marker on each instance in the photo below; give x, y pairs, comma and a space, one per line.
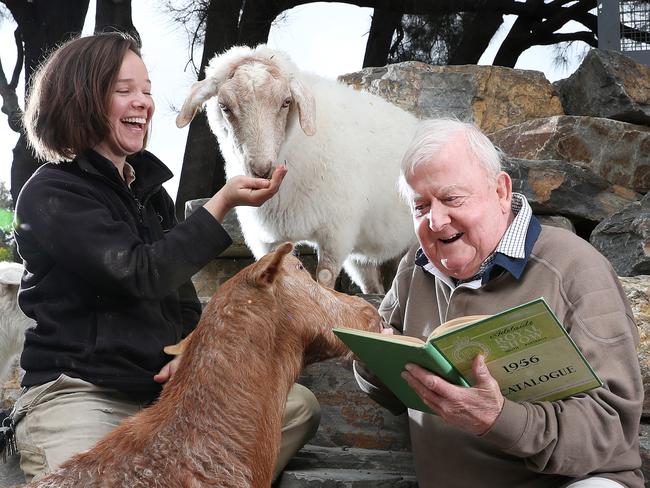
515, 43
523, 32
478, 30
382, 28
45, 23
115, 15
42, 24
203, 172
256, 19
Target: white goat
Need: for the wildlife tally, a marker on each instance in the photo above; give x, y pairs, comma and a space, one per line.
13, 322
340, 194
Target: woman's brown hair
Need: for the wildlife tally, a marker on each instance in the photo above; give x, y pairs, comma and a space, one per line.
67, 104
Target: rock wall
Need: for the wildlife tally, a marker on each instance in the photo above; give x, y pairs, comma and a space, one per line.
579, 149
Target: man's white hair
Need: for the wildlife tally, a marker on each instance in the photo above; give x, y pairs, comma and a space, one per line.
432, 135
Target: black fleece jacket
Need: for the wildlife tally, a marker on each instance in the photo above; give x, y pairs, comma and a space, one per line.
107, 272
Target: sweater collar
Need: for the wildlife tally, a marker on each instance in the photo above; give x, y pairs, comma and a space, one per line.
150, 171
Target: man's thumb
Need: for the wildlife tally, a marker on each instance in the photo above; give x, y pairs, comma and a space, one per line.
481, 372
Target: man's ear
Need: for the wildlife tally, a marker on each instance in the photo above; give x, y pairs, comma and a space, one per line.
504, 191
269, 268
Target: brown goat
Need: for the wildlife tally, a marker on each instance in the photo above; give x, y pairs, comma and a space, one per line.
218, 420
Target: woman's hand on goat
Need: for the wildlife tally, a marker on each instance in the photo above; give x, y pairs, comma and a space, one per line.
244, 190
168, 370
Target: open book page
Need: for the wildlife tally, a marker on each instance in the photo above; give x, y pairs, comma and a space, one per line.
456, 323
388, 337
527, 351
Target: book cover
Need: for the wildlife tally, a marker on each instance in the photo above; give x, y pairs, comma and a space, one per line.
526, 349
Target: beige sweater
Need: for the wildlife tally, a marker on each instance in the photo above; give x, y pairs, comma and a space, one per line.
538, 444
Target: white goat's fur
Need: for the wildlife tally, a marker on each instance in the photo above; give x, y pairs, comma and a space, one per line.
13, 322
340, 193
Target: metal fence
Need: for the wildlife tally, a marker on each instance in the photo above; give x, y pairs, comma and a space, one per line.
624, 25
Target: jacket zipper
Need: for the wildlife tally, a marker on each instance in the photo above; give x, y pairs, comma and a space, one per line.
140, 209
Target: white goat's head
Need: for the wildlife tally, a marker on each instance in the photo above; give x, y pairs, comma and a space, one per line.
251, 97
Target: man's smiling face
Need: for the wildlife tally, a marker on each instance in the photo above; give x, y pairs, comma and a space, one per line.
459, 212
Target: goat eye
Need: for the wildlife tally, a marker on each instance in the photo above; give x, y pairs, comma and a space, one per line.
300, 267
224, 108
286, 103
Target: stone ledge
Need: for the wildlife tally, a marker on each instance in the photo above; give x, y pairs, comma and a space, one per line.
323, 467
10, 473
345, 478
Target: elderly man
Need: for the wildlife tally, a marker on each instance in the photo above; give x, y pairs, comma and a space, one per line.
481, 251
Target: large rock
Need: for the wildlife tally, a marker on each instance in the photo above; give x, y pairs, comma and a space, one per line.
348, 416
322, 467
236, 257
608, 84
10, 389
557, 221
618, 151
637, 289
490, 96
644, 447
10, 473
209, 278
238, 248
558, 187
624, 238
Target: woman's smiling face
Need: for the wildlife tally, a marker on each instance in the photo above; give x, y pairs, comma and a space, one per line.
459, 212
130, 110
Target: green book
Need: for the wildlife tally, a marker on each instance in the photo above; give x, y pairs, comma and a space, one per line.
526, 349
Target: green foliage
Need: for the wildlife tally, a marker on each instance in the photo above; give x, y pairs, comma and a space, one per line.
6, 220
6, 224
427, 38
6, 254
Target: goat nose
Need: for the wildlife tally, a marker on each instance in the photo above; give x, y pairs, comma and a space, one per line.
266, 175
263, 172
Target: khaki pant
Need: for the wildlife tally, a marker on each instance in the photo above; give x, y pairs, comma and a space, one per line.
56, 420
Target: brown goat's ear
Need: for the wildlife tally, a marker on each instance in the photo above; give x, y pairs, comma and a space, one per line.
178, 349
306, 107
269, 272
199, 93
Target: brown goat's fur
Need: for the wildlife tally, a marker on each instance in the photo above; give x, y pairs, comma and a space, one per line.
217, 422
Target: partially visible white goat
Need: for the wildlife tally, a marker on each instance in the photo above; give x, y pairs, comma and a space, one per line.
13, 322
340, 194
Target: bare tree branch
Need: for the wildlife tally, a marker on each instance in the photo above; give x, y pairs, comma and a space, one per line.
10, 105
20, 58
560, 16
115, 15
382, 28
585, 36
416, 7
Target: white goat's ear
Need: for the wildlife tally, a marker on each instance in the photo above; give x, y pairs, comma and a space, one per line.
199, 93
306, 107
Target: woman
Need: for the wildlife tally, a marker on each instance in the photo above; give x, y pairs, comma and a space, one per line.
107, 272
